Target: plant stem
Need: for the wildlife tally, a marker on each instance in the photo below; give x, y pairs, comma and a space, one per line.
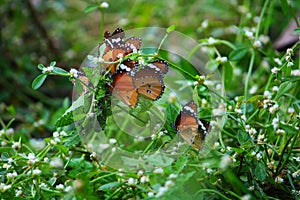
251, 64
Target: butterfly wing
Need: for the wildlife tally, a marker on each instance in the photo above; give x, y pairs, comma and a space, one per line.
122, 86
149, 80
190, 128
117, 48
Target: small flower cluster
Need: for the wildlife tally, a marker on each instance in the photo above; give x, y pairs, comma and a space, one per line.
47, 70
57, 136
288, 57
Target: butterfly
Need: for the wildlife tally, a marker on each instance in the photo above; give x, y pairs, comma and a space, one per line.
117, 47
133, 80
192, 129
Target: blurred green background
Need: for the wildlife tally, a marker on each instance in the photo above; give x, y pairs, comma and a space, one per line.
38, 31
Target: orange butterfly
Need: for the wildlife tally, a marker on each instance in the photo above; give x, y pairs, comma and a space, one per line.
117, 47
130, 81
192, 129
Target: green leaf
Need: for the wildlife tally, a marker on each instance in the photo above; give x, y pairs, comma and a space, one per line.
67, 118
212, 65
283, 89
228, 73
41, 66
289, 129
255, 98
90, 8
52, 64
284, 6
110, 186
238, 53
73, 139
172, 111
60, 71
297, 30
243, 137
171, 28
260, 171
38, 81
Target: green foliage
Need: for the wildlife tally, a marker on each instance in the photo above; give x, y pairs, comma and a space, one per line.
42, 157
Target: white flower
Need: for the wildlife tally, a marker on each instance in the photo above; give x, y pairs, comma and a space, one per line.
243, 117
56, 163
290, 64
275, 88
56, 134
63, 133
297, 158
257, 44
249, 34
216, 144
172, 176
68, 188
112, 141
279, 179
144, 179
289, 51
209, 171
60, 187
16, 145
267, 94
161, 191
19, 193
296, 174
252, 132
264, 39
291, 110
261, 139
11, 175
36, 172
160, 134
238, 111
275, 70
253, 89
251, 188
2, 132
278, 61
221, 60
104, 5
10, 160
4, 187
295, 72
204, 24
150, 194
73, 73
211, 41
140, 173
158, 171
273, 109
169, 183
275, 122
131, 181
258, 156
31, 159
246, 197
280, 132
47, 70
10, 131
